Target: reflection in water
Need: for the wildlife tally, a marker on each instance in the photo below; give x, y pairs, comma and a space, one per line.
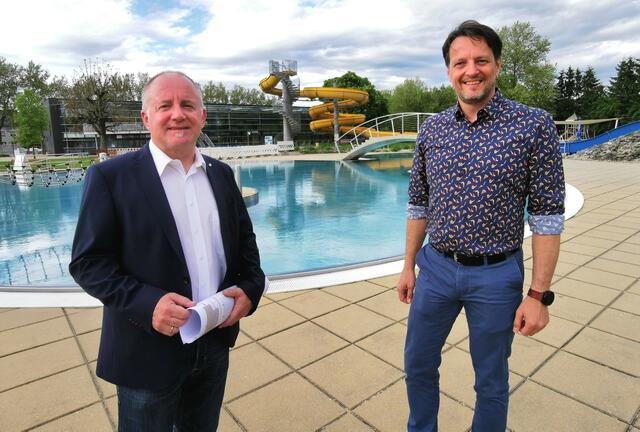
310, 215
37, 226
315, 215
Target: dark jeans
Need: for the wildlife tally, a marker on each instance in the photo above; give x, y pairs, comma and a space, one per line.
193, 404
490, 295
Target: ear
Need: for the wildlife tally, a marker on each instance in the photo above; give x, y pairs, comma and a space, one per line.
499, 64
145, 119
204, 117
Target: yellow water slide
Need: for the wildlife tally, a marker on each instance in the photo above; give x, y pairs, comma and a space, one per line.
322, 115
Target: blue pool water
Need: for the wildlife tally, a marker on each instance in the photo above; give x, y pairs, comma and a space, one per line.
310, 215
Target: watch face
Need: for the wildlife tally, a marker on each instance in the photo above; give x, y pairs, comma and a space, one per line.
547, 298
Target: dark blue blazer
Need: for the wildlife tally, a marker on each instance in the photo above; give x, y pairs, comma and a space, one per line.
127, 253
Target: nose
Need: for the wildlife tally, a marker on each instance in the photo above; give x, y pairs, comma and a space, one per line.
472, 68
177, 113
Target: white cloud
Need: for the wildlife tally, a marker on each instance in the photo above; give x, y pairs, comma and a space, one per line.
232, 41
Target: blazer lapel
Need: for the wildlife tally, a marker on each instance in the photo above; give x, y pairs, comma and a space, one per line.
148, 179
217, 185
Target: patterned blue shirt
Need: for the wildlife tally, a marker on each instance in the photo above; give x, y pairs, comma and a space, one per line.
471, 180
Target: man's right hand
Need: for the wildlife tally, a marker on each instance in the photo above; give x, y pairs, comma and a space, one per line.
406, 284
171, 313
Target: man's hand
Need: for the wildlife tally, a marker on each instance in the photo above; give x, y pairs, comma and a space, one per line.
171, 313
241, 306
406, 284
531, 317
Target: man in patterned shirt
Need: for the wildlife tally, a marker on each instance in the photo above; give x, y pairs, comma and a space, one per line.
474, 168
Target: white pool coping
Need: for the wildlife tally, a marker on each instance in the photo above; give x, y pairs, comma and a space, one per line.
65, 298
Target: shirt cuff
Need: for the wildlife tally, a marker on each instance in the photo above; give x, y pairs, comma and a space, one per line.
546, 224
416, 212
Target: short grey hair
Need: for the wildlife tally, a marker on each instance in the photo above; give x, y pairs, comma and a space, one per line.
147, 86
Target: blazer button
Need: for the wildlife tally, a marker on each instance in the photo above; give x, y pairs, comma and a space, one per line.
186, 282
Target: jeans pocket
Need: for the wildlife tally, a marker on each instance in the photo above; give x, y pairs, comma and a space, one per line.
421, 258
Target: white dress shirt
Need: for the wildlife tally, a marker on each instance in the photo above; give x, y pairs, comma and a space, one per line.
195, 213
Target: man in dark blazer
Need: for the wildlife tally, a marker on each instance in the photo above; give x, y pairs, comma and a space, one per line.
160, 229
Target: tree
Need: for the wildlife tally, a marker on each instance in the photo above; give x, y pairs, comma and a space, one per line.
591, 95
32, 119
248, 96
408, 96
58, 87
94, 98
624, 89
377, 105
34, 77
10, 79
567, 91
215, 93
132, 85
414, 96
526, 75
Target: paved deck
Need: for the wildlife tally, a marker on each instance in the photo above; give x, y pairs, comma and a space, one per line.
331, 359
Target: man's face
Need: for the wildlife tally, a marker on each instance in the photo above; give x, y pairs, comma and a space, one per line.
472, 70
174, 114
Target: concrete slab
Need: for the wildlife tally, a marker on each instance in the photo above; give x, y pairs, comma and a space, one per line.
33, 335
313, 303
340, 375
555, 412
14, 318
387, 344
30, 365
309, 410
271, 319
356, 291
387, 304
303, 344
347, 423
41, 401
602, 278
251, 367
353, 322
609, 390
79, 421
620, 323
585, 291
87, 320
611, 350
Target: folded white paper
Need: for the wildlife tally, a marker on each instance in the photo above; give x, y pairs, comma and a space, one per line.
206, 315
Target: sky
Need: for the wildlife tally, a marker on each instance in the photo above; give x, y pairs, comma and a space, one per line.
232, 41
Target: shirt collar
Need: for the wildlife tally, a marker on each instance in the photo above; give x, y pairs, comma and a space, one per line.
492, 109
161, 160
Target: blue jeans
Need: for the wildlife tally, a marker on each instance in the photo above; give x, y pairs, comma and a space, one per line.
490, 295
193, 404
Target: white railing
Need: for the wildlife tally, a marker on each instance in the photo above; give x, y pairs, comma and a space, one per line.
389, 125
235, 152
240, 151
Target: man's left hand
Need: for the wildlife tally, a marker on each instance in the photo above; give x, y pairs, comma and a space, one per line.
531, 317
241, 306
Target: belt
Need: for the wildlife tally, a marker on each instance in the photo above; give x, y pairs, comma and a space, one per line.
477, 260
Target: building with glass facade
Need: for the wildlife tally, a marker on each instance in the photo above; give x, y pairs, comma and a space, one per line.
227, 125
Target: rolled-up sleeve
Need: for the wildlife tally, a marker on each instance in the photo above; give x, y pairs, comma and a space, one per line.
418, 186
546, 183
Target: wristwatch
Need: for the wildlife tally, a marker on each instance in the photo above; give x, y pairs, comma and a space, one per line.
546, 297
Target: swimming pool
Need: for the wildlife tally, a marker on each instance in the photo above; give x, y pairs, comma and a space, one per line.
309, 216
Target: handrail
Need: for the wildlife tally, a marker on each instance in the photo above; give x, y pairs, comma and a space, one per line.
379, 127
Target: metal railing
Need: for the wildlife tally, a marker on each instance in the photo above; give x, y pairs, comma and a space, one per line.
389, 125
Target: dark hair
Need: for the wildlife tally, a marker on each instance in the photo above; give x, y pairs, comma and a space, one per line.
474, 30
